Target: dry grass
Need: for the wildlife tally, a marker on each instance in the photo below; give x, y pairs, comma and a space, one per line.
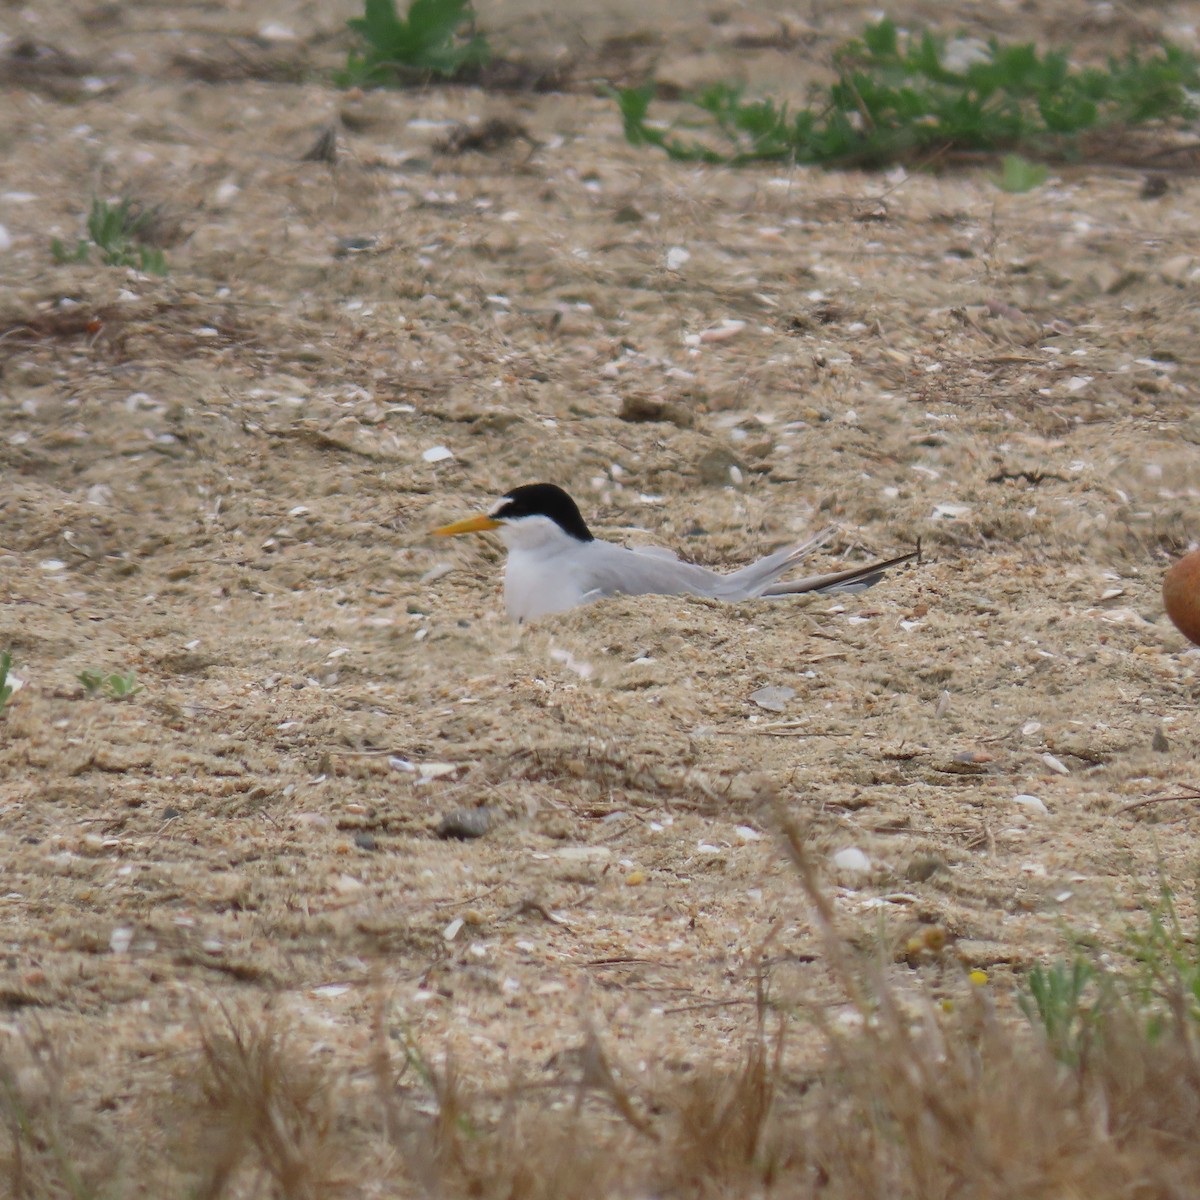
50, 1148
260, 1107
924, 1103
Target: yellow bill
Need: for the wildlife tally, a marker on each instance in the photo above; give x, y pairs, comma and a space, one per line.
478, 524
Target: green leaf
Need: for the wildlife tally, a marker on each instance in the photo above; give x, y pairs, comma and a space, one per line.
1018, 174
6, 689
634, 104
151, 260
881, 39
425, 40
63, 255
379, 26
434, 22
91, 680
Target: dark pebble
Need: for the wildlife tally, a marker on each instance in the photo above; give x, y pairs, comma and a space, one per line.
1154, 186
465, 823
364, 840
924, 867
170, 813
354, 245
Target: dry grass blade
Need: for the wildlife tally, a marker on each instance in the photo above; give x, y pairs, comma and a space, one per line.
726, 1126
929, 1104
517, 1148
261, 1109
50, 1147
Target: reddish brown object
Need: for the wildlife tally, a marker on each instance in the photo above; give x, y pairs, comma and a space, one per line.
1181, 595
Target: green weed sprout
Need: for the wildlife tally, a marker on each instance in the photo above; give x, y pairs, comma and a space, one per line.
1058, 1000
115, 686
1167, 958
113, 230
1155, 981
428, 41
6, 688
1018, 174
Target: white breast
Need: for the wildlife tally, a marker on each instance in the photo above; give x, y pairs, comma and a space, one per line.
543, 573
536, 583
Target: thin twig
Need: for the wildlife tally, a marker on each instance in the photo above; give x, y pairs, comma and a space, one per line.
1193, 793
706, 1004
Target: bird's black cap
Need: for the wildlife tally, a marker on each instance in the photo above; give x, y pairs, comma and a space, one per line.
544, 500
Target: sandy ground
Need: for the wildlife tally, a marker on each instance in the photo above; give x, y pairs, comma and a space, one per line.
218, 482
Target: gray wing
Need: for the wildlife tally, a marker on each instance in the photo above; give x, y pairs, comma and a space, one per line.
613, 570
618, 571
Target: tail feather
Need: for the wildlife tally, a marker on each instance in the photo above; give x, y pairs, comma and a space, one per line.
756, 576
855, 579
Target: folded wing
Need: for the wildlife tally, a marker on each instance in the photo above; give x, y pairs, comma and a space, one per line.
612, 570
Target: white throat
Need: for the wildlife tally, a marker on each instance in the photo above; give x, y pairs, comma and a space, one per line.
536, 533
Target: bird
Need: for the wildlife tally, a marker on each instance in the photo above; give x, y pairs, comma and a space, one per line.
555, 562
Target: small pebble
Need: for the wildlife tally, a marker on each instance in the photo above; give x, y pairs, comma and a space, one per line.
354, 245
364, 840
311, 819
714, 466
1154, 186
272, 31
465, 824
923, 867
583, 854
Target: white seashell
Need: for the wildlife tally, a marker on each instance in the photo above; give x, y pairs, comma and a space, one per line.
852, 859
1033, 803
1055, 764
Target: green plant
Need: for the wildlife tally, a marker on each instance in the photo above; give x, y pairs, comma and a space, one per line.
1152, 984
1018, 174
1062, 999
899, 98
6, 688
428, 41
114, 230
115, 686
1166, 959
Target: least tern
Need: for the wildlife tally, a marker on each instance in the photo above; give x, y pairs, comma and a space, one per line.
555, 562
